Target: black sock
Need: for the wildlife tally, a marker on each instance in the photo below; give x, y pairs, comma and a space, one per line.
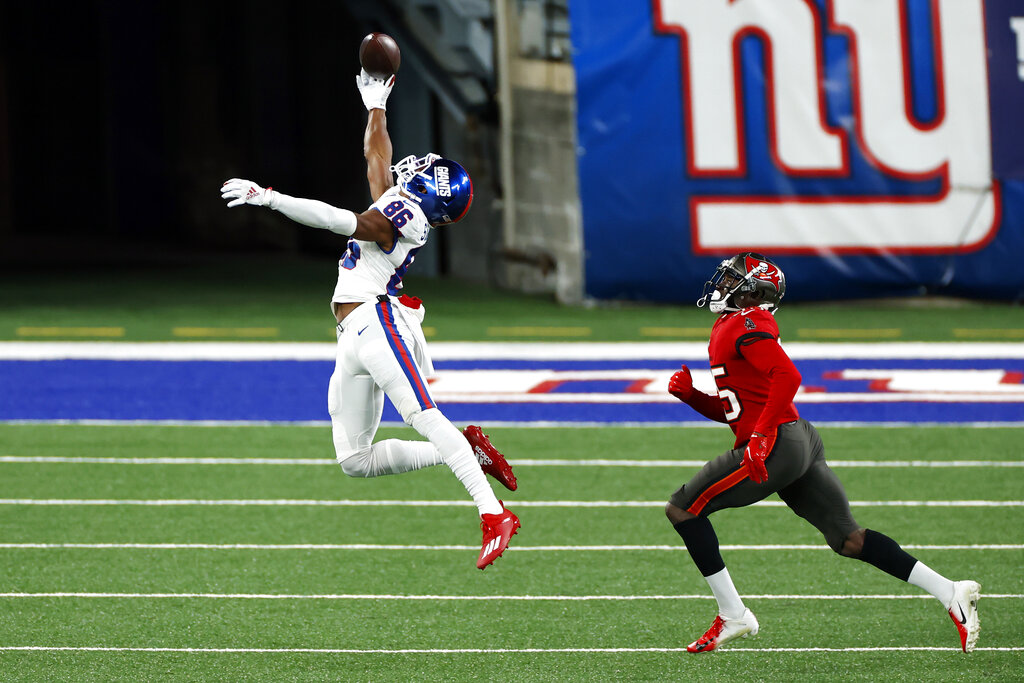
886, 554
702, 543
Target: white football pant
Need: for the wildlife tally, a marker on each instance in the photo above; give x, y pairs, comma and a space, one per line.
378, 354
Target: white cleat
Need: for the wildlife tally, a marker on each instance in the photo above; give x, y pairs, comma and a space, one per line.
963, 610
723, 631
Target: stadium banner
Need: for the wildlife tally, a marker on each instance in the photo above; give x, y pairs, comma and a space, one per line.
872, 148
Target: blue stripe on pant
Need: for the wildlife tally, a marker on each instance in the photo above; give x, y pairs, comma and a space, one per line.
386, 314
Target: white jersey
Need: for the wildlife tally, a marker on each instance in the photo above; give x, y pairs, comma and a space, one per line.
366, 271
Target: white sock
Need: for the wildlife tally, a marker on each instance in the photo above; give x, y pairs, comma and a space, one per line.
927, 579
457, 454
730, 606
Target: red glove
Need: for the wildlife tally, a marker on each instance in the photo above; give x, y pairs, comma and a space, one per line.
681, 385
758, 449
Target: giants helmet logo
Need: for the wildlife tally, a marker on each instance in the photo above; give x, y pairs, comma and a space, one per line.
831, 124
442, 181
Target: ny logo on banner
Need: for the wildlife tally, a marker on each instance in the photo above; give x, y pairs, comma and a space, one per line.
867, 130
1017, 26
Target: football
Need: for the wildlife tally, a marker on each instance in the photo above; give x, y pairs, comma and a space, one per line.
379, 55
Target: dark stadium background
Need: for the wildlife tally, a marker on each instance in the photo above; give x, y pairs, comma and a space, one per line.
119, 120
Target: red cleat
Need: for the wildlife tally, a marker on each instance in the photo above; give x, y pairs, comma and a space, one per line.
723, 631
498, 531
491, 461
963, 610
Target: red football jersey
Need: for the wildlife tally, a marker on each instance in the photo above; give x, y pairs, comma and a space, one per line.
755, 377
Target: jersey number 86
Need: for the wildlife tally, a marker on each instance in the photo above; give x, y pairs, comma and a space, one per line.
398, 214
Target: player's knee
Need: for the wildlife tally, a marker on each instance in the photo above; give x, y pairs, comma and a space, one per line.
431, 422
355, 467
356, 462
408, 406
676, 514
445, 436
852, 545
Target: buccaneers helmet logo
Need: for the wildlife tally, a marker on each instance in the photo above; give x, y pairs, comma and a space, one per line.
762, 270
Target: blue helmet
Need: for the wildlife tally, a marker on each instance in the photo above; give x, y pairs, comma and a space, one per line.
440, 186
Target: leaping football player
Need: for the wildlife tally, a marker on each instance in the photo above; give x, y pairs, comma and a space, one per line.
776, 451
381, 350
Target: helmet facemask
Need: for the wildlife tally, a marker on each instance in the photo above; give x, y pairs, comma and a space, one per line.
410, 166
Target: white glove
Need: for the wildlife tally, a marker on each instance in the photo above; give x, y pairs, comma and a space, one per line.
246, 192
374, 91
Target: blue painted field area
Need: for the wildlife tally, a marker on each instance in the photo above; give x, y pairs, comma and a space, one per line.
576, 385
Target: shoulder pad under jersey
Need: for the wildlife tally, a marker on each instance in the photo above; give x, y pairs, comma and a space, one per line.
405, 215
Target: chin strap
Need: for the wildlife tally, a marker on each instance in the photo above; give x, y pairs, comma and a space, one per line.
716, 297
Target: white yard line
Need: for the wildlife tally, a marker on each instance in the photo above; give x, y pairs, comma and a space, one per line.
463, 598
442, 351
81, 460
393, 547
256, 502
496, 651
196, 423
700, 463
528, 424
76, 460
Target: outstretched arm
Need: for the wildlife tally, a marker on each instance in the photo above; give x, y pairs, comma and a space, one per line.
376, 141
377, 150
370, 225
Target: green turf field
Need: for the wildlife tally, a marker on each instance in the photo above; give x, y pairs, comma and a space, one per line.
269, 299
317, 591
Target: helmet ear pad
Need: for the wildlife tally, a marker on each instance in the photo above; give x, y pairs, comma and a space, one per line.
749, 299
